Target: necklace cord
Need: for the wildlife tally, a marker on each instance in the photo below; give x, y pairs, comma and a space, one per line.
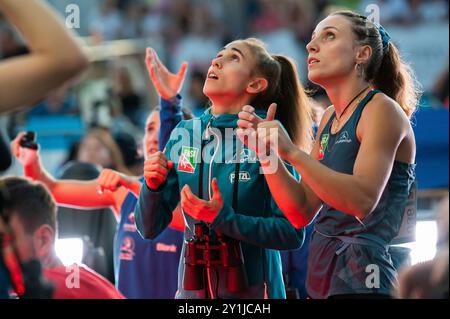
350, 103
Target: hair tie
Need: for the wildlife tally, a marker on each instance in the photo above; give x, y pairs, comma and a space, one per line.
385, 37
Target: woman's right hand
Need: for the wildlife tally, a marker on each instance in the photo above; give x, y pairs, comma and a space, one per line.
248, 124
109, 180
26, 156
156, 168
166, 83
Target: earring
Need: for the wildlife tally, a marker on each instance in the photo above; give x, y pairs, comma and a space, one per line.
359, 70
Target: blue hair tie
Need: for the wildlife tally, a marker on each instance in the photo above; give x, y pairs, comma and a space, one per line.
385, 37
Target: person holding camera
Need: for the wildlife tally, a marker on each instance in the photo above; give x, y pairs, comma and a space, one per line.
233, 227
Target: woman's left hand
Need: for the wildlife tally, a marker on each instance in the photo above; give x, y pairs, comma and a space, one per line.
201, 209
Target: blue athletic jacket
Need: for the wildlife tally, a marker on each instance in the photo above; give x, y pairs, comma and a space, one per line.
257, 223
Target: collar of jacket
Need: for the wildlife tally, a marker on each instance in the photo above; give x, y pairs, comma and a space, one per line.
225, 120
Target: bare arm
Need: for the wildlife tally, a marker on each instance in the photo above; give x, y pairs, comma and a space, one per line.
115, 183
84, 194
73, 193
111, 180
55, 56
297, 201
77, 194
382, 127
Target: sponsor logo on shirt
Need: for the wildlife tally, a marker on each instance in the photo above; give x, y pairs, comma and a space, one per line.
246, 155
243, 177
188, 159
324, 142
166, 248
323, 145
344, 138
127, 248
130, 226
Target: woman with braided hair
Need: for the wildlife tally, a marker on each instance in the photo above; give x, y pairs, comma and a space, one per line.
361, 168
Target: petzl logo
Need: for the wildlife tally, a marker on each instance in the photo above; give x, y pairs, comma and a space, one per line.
188, 159
243, 177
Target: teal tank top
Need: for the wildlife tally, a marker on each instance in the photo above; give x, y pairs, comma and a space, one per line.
349, 256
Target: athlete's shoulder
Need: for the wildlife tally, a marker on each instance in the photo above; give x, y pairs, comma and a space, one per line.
381, 106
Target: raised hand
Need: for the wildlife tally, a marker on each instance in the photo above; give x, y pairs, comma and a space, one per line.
156, 168
248, 124
274, 136
166, 83
201, 209
26, 156
249, 120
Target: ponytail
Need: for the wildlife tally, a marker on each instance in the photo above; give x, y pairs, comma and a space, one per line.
295, 110
385, 70
285, 89
396, 79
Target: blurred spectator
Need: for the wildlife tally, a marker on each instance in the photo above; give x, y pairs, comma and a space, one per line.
203, 40
301, 16
96, 100
440, 88
98, 147
131, 154
129, 100
59, 102
132, 23
430, 11
153, 21
277, 25
268, 17
197, 101
111, 97
105, 22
